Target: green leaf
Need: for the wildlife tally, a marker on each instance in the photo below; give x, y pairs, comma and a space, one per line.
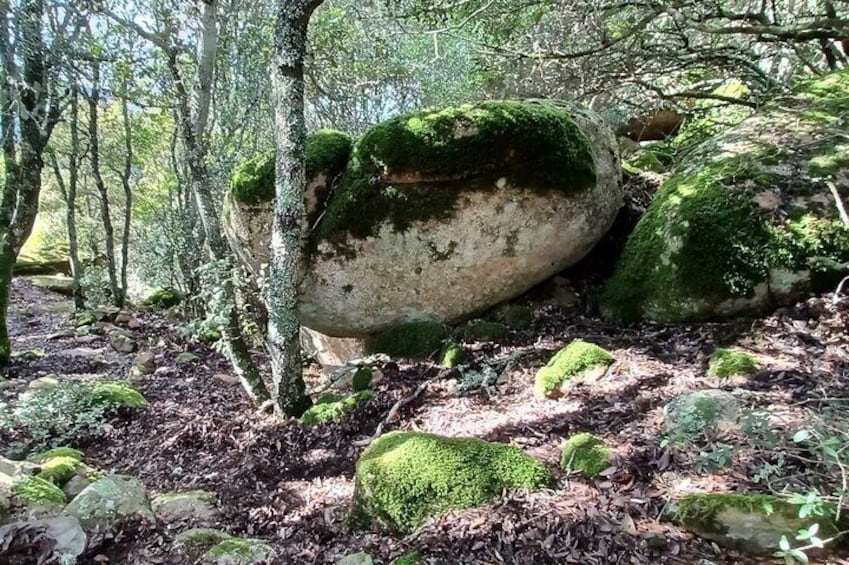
784, 543
801, 436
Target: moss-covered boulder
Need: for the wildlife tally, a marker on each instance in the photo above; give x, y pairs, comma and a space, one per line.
187, 506
585, 453
726, 363
239, 551
748, 220
577, 360
442, 214
403, 478
753, 523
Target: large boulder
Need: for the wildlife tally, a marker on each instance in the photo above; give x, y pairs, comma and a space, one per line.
441, 214
748, 220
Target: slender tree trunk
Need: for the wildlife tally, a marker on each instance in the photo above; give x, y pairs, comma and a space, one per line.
94, 157
289, 228
128, 197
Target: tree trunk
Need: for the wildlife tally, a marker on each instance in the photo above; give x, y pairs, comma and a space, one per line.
289, 228
94, 157
128, 198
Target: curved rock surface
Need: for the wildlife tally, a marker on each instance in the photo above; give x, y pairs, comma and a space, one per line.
442, 214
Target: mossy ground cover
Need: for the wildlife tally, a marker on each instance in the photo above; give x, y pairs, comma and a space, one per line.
707, 239
463, 148
585, 453
725, 363
404, 478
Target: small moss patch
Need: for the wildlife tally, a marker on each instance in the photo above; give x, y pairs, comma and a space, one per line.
59, 470
483, 330
452, 354
412, 558
404, 478
163, 298
573, 361
332, 408
118, 394
416, 340
38, 491
726, 363
585, 453
362, 378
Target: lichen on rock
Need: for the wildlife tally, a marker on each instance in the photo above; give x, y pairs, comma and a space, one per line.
403, 478
577, 360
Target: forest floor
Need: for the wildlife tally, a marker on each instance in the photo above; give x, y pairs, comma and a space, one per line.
291, 485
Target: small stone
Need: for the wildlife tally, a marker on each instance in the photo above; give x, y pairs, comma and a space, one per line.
145, 362
75, 486
189, 506
135, 324
186, 357
122, 343
122, 317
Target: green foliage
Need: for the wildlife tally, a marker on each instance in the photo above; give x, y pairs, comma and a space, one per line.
332, 408
726, 363
327, 152
362, 378
37, 491
416, 340
483, 330
585, 453
532, 145
403, 478
66, 411
570, 362
163, 298
412, 558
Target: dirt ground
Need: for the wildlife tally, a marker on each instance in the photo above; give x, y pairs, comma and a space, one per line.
291, 485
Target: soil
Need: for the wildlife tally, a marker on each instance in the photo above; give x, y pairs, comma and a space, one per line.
291, 485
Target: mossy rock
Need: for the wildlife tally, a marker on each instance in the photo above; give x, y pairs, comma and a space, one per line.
327, 153
403, 478
587, 454
483, 330
534, 145
36, 491
332, 408
193, 505
163, 298
110, 499
59, 470
118, 394
415, 340
753, 523
741, 224
452, 354
239, 551
199, 538
577, 360
362, 378
726, 363
63, 451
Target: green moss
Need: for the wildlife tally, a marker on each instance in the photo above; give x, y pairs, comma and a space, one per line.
416, 340
117, 393
830, 161
705, 240
514, 316
728, 362
57, 452
327, 152
163, 298
403, 478
362, 378
240, 550
452, 354
59, 470
412, 558
569, 363
585, 453
200, 537
457, 150
86, 318
332, 408
37, 491
482, 330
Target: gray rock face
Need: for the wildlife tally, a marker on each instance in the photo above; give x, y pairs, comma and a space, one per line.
108, 500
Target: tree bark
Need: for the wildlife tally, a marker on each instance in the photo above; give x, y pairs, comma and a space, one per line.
94, 158
128, 198
289, 227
